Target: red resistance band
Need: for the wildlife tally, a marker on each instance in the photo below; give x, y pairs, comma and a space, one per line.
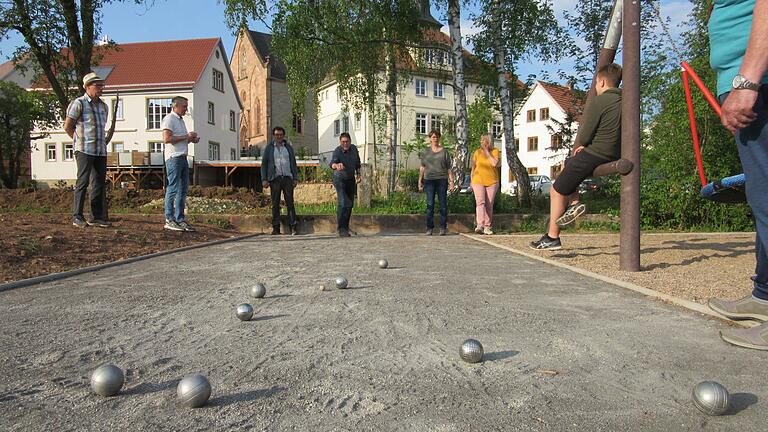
687, 73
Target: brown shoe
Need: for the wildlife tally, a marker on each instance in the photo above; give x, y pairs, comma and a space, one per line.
744, 308
754, 338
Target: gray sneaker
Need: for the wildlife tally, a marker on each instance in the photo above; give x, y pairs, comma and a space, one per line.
99, 223
743, 308
173, 226
79, 222
546, 243
186, 227
429, 232
754, 338
571, 213
442, 231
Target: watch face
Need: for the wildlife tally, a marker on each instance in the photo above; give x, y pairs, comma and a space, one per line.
738, 80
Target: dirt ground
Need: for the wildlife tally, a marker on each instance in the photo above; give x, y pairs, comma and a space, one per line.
36, 244
695, 266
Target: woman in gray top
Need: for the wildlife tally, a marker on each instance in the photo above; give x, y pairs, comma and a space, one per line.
434, 175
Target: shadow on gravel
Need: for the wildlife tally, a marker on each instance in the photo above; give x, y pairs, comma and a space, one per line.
245, 396
279, 296
499, 355
266, 317
359, 287
395, 268
147, 388
740, 402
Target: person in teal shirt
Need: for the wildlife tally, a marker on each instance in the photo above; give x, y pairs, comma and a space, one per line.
739, 54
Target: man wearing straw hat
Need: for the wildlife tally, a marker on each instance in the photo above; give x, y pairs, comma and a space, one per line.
86, 124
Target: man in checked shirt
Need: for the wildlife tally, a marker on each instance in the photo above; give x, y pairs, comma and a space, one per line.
86, 125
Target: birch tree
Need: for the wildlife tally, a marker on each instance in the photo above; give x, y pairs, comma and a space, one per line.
511, 32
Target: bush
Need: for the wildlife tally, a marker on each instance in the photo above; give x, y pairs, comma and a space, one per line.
409, 180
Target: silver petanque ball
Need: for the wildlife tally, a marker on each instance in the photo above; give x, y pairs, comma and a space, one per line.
471, 351
193, 390
258, 290
107, 380
341, 282
711, 398
383, 263
245, 312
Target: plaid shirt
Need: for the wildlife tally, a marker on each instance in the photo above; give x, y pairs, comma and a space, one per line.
90, 130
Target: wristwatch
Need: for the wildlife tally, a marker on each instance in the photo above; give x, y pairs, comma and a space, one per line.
739, 82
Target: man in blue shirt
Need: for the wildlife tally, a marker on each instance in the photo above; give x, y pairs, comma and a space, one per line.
739, 54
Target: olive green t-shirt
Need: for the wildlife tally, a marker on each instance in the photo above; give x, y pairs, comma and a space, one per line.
436, 165
601, 125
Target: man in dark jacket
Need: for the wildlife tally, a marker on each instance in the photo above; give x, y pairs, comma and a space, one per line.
279, 172
345, 164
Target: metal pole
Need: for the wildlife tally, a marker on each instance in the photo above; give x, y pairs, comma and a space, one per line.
629, 250
607, 53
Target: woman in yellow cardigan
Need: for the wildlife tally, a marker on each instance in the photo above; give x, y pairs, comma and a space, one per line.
485, 182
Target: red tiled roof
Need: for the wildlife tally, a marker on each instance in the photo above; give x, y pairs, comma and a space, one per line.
165, 64
569, 100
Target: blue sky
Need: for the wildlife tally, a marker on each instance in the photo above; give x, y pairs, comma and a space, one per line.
177, 19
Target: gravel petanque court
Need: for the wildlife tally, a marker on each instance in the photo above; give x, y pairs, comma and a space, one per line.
563, 352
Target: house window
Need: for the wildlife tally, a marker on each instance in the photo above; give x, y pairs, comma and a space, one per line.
218, 80
297, 123
556, 141
232, 121
435, 122
117, 147
69, 152
257, 114
211, 113
157, 109
437, 90
358, 121
555, 171
533, 170
156, 146
233, 154
50, 152
490, 94
421, 124
544, 114
345, 123
517, 144
421, 87
533, 144
498, 129
214, 151
531, 116
336, 127
117, 109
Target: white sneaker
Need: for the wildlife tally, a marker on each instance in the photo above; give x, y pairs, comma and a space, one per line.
173, 226
479, 230
487, 231
186, 227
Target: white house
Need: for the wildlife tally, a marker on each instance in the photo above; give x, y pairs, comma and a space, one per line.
147, 75
425, 103
536, 132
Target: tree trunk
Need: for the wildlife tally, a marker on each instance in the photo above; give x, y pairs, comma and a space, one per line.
459, 92
391, 77
506, 101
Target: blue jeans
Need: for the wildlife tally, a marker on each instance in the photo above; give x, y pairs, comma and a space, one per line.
752, 142
177, 171
346, 189
439, 186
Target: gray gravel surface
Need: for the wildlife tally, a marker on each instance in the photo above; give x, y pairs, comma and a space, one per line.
563, 352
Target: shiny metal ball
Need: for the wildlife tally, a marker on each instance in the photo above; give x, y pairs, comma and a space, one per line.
383, 263
711, 398
107, 380
258, 290
193, 390
245, 312
341, 282
471, 351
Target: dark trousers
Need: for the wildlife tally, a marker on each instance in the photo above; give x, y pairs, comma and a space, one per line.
91, 170
346, 189
282, 184
439, 187
752, 142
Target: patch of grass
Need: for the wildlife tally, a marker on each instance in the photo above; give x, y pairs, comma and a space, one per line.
534, 223
29, 245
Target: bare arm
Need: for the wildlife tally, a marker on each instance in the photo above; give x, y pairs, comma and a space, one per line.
421, 177
169, 138
737, 109
489, 155
69, 127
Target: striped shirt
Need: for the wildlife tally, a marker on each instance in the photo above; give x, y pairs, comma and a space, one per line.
90, 130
